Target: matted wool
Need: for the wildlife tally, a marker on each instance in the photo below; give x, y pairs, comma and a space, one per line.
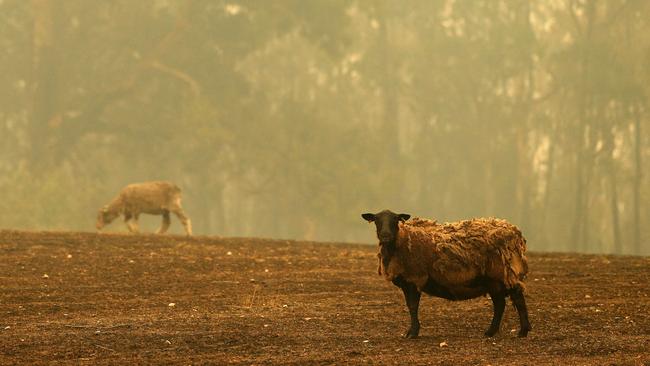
457, 253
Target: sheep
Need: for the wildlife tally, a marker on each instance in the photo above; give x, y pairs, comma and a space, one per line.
455, 261
156, 198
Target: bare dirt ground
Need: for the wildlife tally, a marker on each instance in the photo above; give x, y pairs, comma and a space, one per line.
82, 298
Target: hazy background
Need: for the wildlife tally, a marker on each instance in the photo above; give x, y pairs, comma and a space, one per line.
289, 118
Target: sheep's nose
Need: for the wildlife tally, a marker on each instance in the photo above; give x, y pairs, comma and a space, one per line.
385, 237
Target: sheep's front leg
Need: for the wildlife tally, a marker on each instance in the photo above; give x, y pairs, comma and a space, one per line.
127, 221
517, 297
412, 297
497, 291
187, 224
165, 223
132, 223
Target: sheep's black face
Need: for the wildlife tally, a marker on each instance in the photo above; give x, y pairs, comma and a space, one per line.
387, 223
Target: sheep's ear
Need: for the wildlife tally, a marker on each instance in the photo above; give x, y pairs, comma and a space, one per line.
368, 217
404, 217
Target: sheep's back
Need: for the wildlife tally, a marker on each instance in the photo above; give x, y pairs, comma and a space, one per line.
151, 197
459, 252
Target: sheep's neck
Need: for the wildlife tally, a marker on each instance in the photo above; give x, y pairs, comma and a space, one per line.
115, 205
387, 250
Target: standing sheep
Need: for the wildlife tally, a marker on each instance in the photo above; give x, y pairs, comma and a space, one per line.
156, 198
455, 261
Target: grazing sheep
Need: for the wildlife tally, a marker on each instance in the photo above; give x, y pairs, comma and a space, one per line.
455, 261
156, 198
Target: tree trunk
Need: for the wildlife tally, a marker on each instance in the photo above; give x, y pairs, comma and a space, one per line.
638, 176
610, 165
548, 180
524, 177
580, 228
578, 219
46, 82
616, 228
389, 86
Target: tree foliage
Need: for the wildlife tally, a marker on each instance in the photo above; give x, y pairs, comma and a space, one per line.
288, 118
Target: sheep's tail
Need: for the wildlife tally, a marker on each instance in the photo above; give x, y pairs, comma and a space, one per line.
514, 260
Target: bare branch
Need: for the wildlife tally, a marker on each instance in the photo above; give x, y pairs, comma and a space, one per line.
194, 85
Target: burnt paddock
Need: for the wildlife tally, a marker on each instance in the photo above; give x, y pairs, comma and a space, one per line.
112, 298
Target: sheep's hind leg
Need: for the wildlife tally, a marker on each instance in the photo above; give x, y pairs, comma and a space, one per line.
517, 296
165, 223
412, 297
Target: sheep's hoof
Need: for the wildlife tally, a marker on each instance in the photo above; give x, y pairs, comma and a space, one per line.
523, 332
410, 334
491, 332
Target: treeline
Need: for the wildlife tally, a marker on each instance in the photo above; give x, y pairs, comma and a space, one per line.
289, 118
